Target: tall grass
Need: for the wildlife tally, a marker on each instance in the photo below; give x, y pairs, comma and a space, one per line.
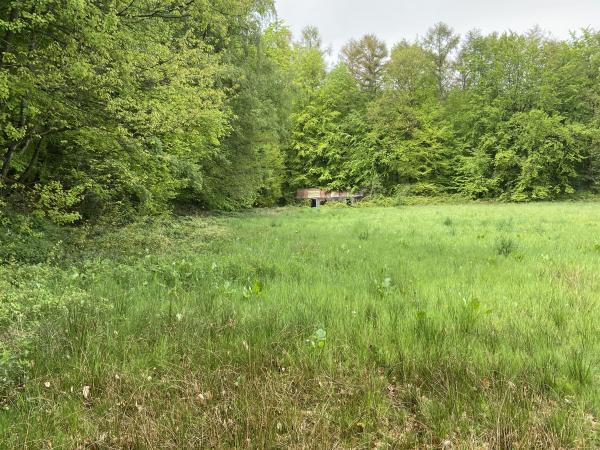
327, 328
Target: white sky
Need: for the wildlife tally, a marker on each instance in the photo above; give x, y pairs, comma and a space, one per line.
394, 20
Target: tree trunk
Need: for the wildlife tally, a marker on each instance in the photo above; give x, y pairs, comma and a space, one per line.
26, 176
7, 159
10, 152
8, 36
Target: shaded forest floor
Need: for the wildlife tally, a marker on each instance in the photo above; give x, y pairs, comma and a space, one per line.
457, 326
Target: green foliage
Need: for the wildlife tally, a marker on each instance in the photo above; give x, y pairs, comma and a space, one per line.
318, 339
532, 156
410, 74
29, 297
415, 146
520, 140
135, 104
441, 41
108, 112
323, 134
365, 60
54, 202
504, 116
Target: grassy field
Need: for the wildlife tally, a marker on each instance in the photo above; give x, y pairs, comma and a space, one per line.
463, 326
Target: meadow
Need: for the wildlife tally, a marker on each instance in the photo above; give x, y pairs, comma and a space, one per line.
457, 326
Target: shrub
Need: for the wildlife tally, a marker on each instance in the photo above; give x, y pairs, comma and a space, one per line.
55, 202
28, 240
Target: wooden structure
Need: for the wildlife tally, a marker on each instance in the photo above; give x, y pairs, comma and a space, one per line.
318, 196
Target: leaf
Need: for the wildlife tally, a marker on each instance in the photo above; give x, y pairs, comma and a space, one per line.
318, 339
257, 287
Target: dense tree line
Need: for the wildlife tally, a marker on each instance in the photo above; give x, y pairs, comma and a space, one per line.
135, 106
507, 116
130, 106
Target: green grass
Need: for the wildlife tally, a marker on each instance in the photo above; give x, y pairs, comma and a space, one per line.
458, 326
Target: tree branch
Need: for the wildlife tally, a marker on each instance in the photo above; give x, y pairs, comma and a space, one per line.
164, 13
124, 10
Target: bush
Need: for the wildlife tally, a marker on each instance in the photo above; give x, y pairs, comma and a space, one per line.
27, 240
55, 202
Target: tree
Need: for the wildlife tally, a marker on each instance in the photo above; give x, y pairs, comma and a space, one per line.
248, 170
411, 74
311, 38
136, 106
323, 134
414, 145
366, 60
130, 101
308, 66
524, 117
441, 41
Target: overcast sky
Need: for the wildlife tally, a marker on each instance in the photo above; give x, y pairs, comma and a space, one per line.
394, 20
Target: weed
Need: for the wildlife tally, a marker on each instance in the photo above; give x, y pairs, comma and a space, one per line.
505, 224
384, 287
468, 315
318, 339
253, 288
505, 246
371, 314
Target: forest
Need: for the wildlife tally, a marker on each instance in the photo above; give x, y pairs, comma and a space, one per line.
115, 109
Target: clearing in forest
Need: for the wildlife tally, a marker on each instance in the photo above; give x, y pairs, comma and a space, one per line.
463, 326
